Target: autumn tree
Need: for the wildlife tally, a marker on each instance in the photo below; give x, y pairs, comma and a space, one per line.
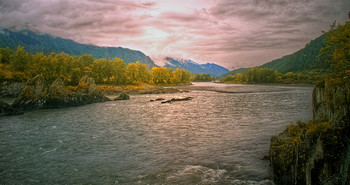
137, 73
19, 59
180, 76
337, 50
160, 75
119, 68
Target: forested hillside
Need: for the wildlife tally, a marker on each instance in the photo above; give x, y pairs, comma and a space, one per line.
303, 66
34, 42
306, 59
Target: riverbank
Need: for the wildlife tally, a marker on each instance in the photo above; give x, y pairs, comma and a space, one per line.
318, 151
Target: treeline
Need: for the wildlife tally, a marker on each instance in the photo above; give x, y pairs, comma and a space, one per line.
202, 77
20, 66
266, 75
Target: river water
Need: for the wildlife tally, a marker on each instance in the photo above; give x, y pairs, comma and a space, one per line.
216, 138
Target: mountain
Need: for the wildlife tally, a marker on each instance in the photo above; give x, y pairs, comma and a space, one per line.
38, 42
193, 67
233, 72
305, 59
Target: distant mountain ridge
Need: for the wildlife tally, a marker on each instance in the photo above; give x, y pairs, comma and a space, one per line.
193, 67
305, 59
38, 42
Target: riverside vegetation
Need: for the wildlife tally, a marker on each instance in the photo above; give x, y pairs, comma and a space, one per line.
20, 66
267, 75
61, 80
318, 152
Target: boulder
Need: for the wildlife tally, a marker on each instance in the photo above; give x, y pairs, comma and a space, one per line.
7, 110
122, 96
88, 92
32, 95
57, 95
87, 85
11, 89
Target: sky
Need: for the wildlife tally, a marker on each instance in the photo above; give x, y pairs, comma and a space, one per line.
231, 33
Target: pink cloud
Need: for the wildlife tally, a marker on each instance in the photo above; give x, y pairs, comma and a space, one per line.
237, 33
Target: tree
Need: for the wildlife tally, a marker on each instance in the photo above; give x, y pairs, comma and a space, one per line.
143, 72
137, 73
160, 75
180, 76
201, 77
337, 50
119, 68
230, 78
6, 54
19, 59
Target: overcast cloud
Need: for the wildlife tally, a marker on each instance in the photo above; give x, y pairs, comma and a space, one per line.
232, 33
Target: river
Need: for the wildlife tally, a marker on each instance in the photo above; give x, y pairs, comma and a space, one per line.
219, 137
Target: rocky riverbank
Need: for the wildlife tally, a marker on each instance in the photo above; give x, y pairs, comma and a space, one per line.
316, 152
37, 94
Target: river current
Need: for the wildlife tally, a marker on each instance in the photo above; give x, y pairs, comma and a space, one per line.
218, 137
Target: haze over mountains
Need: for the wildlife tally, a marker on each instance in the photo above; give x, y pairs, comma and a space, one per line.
193, 67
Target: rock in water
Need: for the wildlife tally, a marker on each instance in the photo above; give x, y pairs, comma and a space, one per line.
36, 94
57, 95
88, 92
10, 89
32, 95
7, 110
177, 99
122, 96
87, 85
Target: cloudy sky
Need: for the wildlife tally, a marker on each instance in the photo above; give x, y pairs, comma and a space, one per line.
232, 33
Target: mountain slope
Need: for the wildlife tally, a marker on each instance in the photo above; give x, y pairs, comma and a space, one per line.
193, 67
34, 42
233, 72
305, 59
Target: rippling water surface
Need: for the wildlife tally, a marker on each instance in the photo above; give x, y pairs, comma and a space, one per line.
216, 138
